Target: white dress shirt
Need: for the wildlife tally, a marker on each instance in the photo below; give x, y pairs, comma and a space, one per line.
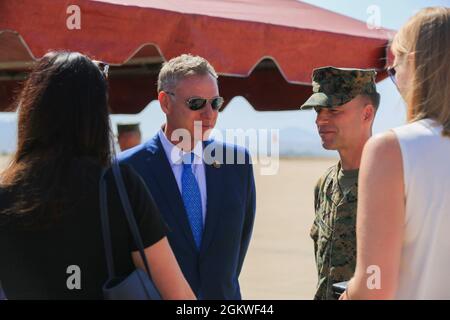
175, 156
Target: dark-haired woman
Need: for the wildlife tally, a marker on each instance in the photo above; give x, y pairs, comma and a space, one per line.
50, 225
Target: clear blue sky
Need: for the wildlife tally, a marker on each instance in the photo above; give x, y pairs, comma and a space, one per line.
239, 114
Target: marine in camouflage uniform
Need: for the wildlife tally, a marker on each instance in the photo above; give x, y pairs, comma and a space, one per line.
333, 231
336, 192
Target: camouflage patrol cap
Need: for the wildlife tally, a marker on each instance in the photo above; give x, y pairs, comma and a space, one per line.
336, 86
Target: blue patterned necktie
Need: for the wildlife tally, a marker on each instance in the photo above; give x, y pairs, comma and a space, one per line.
192, 200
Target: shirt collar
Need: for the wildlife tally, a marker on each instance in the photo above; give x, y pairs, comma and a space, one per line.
174, 154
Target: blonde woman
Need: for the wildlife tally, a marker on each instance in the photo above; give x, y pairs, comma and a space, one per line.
403, 225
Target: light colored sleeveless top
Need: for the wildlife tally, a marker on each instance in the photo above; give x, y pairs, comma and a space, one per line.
425, 259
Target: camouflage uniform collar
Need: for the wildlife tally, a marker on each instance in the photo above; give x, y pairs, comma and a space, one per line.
331, 178
353, 173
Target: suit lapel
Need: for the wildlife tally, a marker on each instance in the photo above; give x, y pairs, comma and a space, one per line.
214, 192
163, 174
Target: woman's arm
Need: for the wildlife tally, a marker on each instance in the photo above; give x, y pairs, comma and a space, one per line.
380, 219
165, 271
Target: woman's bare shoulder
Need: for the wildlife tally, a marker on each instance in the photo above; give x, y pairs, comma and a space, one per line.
383, 145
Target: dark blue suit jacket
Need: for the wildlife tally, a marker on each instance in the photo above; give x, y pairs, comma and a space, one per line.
213, 271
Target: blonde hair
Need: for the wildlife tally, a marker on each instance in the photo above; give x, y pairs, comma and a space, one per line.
181, 67
427, 37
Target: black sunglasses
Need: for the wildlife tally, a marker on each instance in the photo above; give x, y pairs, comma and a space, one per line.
103, 66
391, 73
197, 103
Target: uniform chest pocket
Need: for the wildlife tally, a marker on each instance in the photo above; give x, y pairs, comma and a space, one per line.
345, 222
324, 236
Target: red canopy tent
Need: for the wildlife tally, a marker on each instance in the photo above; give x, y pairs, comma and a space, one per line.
264, 50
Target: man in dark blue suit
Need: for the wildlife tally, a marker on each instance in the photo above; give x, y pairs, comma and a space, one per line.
204, 189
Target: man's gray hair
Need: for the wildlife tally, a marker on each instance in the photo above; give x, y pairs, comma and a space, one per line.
181, 67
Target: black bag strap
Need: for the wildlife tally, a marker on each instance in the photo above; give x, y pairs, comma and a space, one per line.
105, 225
129, 213
2, 293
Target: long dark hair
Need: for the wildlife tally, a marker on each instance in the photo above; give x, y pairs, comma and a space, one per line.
63, 116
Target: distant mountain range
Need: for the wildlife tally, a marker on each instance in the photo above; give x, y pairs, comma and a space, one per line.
292, 141
300, 142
